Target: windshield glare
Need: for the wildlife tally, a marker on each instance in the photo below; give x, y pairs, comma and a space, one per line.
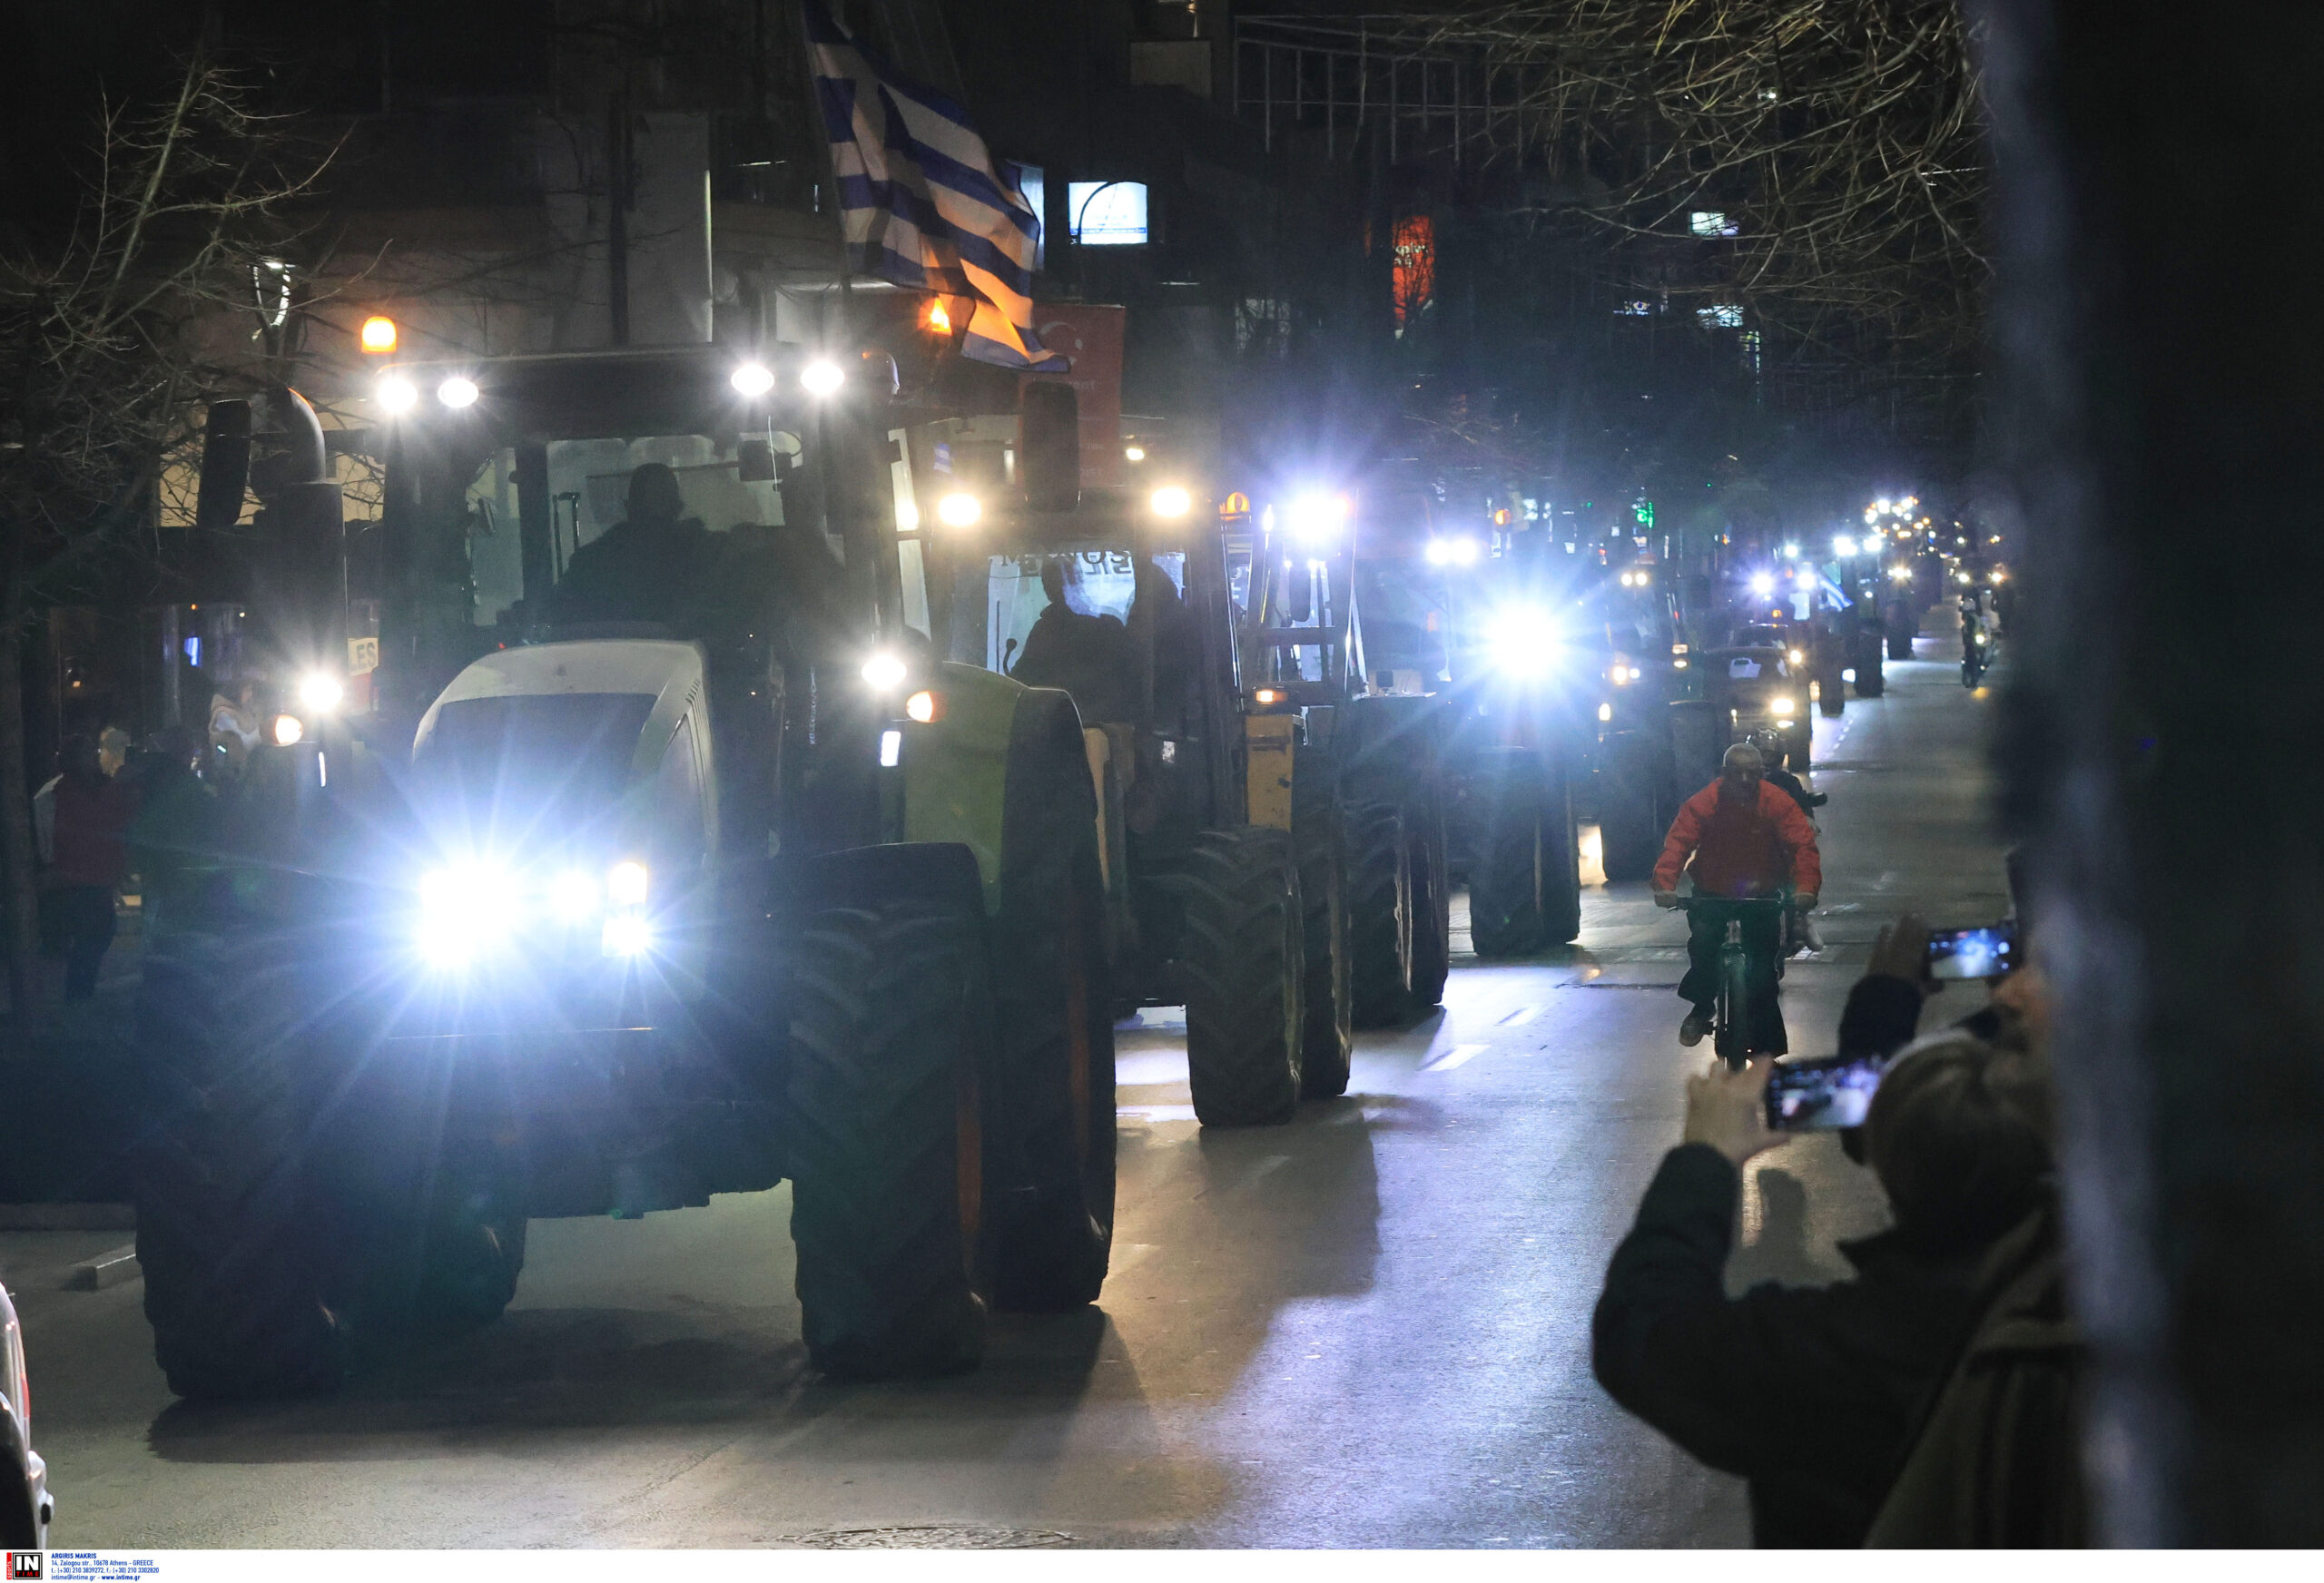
518, 775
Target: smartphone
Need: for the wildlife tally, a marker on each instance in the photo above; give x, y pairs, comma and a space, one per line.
1823, 1093
1971, 953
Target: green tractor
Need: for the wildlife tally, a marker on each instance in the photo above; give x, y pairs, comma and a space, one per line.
1220, 847
563, 912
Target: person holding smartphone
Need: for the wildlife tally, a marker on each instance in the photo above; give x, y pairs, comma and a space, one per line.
1813, 1394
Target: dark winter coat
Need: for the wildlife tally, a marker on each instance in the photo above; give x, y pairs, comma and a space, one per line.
1998, 1462
661, 573
1811, 1393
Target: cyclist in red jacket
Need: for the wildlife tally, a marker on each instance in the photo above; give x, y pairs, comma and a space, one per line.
1740, 838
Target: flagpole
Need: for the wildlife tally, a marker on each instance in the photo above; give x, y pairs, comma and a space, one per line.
843, 494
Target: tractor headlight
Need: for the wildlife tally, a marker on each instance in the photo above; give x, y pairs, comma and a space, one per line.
884, 672
1523, 643
465, 910
625, 885
322, 693
1782, 706
287, 731
627, 934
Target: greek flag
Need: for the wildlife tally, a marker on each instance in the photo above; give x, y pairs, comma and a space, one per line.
921, 203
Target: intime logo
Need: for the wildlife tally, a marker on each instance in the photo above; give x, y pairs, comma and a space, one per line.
26, 1563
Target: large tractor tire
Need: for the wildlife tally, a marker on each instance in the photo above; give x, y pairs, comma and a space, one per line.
1431, 868
1561, 858
1509, 875
1049, 1109
1871, 682
236, 1243
1319, 837
1831, 692
1246, 973
1380, 914
890, 1025
1630, 800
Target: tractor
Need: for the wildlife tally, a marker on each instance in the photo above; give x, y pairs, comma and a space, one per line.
524, 912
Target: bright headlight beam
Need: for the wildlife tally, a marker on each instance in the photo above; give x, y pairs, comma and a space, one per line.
627, 883
1171, 501
287, 731
320, 693
573, 896
466, 910
1523, 644
884, 672
821, 378
752, 380
458, 392
395, 394
626, 935
959, 509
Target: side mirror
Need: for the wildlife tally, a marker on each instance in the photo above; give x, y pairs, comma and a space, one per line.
1050, 447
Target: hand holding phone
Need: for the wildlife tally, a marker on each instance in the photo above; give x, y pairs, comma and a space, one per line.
1823, 1095
1987, 952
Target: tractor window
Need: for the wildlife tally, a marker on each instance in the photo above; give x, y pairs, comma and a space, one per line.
527, 770
496, 553
588, 484
1097, 580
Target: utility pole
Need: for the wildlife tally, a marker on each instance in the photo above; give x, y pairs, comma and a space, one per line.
2167, 781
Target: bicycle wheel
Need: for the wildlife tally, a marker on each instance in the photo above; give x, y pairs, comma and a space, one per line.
1731, 1035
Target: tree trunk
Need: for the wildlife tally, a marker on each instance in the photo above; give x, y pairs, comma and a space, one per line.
19, 877
2164, 371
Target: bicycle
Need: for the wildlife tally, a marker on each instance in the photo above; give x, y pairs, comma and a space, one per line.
1731, 1021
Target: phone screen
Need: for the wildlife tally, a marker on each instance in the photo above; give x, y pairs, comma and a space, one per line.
1825, 1093
1971, 953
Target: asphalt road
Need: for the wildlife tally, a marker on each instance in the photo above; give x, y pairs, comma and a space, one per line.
1368, 1328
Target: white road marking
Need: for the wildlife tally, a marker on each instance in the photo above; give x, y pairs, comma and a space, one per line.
1459, 1055
1518, 1018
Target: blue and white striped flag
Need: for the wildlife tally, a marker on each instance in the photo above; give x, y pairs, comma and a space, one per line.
920, 203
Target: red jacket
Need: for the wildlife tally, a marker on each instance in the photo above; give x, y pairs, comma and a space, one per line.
1739, 850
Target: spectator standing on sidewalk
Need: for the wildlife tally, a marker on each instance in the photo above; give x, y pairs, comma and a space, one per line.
1814, 1395
91, 811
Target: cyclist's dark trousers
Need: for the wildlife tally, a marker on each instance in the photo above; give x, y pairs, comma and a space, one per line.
1707, 924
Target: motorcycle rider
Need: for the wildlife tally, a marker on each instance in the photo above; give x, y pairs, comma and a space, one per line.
1739, 839
1972, 640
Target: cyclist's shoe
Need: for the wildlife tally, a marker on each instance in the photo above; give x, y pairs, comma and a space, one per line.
1693, 1031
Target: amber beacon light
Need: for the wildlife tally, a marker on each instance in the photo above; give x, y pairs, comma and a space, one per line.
379, 334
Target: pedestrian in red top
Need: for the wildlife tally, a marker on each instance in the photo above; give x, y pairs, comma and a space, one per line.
1739, 839
92, 813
